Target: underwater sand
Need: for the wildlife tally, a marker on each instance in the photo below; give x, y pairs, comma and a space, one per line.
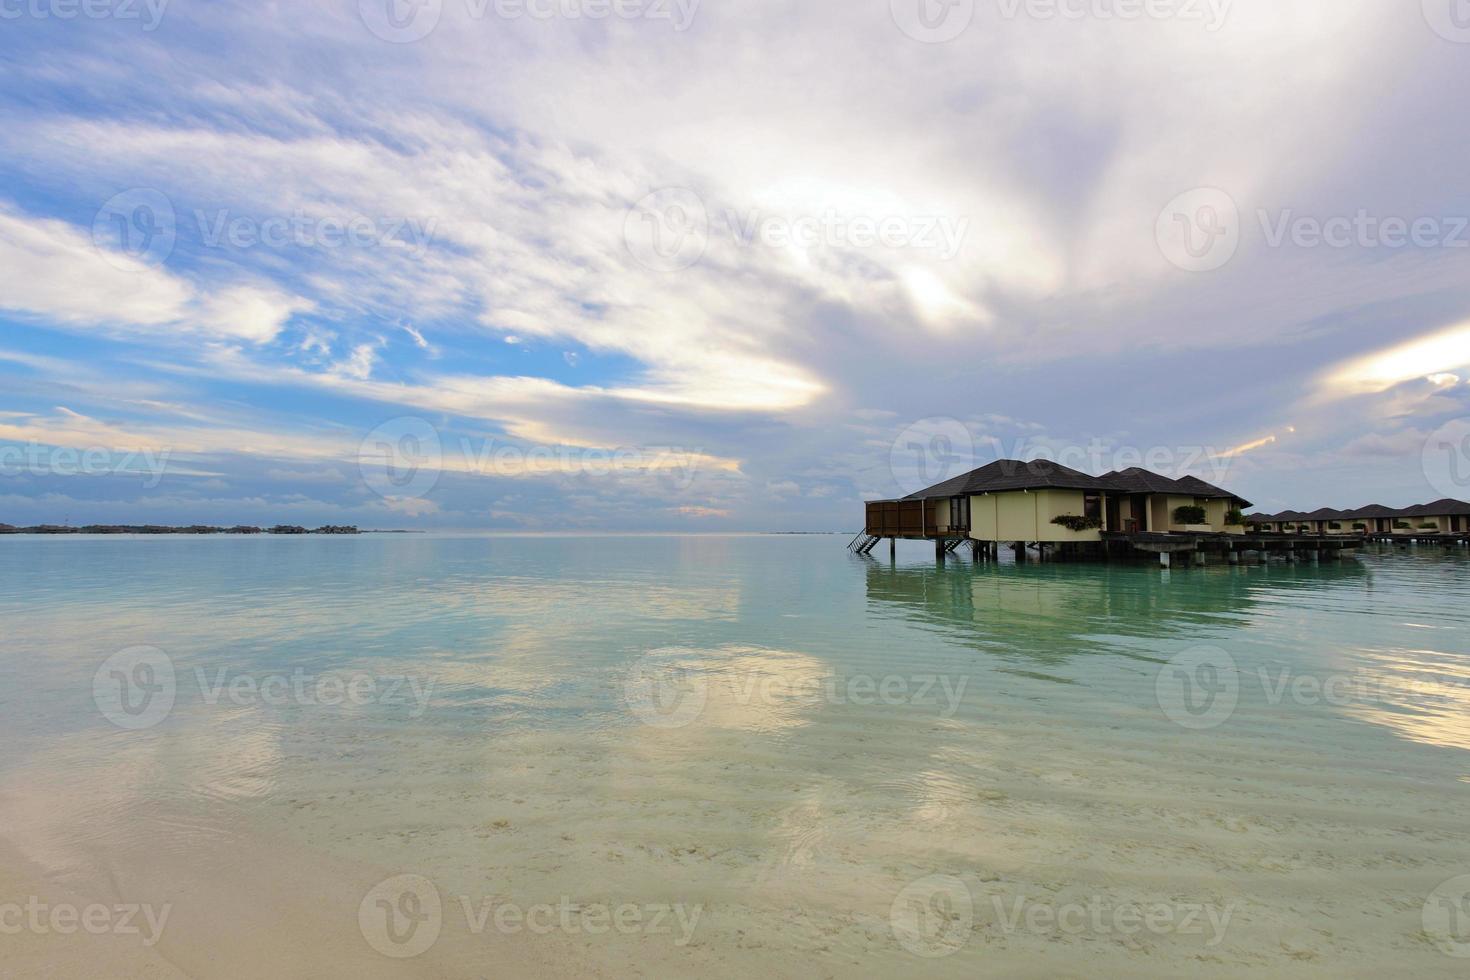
697, 729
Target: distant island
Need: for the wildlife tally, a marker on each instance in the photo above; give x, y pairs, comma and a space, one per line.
191, 529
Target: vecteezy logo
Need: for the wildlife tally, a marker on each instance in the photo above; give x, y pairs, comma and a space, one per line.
1446, 917
137, 226
1446, 459
667, 230
135, 688
932, 21
1450, 19
400, 21
933, 917
1198, 688
401, 916
930, 451
662, 690
1199, 231
401, 458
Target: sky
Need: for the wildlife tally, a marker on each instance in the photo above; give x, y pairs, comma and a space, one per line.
711, 265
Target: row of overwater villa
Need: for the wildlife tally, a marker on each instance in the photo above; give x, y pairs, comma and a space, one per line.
1044, 508
1447, 516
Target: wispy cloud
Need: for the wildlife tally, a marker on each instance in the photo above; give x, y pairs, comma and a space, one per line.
62, 276
615, 234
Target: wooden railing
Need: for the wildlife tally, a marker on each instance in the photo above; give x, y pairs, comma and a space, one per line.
908, 519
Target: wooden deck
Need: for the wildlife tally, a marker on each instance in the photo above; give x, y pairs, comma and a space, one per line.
1188, 541
1425, 537
915, 520
910, 520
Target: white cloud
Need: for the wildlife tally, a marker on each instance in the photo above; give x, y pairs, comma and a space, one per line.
1429, 357
251, 313
359, 364
411, 506
417, 337
56, 271
50, 268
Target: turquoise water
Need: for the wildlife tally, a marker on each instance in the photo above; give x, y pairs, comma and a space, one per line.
831, 763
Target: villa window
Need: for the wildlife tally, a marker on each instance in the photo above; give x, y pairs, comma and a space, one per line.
1092, 505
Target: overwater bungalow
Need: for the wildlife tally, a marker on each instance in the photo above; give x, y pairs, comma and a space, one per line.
1293, 522
1007, 500
1341, 522
1372, 519
1319, 520
1447, 516
1045, 504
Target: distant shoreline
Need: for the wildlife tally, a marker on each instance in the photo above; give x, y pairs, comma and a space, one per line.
244, 530
201, 529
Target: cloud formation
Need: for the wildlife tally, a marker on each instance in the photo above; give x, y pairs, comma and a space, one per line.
770, 236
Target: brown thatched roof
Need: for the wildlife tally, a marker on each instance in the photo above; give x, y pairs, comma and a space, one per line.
1448, 507
1042, 474
1012, 474
1136, 479
1372, 510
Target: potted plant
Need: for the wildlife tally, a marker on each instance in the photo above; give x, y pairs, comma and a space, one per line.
1072, 522
1234, 517
1190, 515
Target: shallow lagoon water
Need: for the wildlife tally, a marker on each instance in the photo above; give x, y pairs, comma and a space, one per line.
652, 755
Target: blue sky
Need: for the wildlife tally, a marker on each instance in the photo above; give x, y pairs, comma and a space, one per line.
679, 265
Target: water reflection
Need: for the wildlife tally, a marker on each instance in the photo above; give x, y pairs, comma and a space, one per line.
1378, 640
783, 798
1051, 613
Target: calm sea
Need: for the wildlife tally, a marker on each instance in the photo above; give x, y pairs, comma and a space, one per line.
718, 755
